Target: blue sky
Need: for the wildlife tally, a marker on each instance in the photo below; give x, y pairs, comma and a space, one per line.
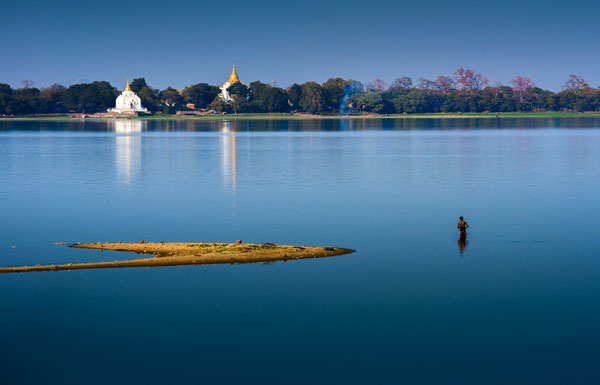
179, 43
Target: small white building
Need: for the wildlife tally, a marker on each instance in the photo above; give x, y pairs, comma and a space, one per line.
128, 103
232, 79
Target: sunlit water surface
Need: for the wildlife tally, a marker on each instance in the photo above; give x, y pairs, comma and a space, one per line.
519, 305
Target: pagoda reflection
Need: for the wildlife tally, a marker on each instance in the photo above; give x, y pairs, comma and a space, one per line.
128, 148
228, 153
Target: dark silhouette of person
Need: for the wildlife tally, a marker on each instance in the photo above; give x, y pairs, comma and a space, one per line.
463, 226
462, 240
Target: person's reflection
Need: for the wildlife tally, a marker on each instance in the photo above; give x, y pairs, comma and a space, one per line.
462, 245
462, 240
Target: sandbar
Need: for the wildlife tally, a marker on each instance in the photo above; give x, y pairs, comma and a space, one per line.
188, 253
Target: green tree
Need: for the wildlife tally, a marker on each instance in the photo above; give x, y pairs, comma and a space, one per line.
257, 93
238, 97
170, 97
6, 99
265, 98
54, 95
27, 100
137, 84
219, 105
276, 100
295, 95
314, 98
413, 102
340, 91
90, 97
596, 101
149, 97
370, 102
335, 88
201, 95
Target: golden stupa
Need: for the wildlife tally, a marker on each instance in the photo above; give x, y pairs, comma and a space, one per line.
234, 76
127, 88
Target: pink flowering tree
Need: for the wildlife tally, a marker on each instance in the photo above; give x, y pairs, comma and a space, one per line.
522, 84
469, 80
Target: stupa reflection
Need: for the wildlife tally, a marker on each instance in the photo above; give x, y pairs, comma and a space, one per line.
228, 153
128, 148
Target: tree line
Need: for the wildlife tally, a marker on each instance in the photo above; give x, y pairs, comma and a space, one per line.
465, 91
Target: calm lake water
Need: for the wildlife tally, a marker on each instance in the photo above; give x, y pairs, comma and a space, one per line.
519, 305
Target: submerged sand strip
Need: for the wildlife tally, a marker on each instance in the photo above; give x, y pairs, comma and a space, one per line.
176, 254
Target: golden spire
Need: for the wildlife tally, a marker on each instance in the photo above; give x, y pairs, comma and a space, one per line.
127, 88
234, 77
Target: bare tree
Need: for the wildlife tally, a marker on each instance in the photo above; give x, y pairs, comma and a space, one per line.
377, 85
426, 85
401, 84
27, 83
575, 82
495, 90
445, 84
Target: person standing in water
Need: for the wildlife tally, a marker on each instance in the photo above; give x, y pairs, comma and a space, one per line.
462, 241
463, 226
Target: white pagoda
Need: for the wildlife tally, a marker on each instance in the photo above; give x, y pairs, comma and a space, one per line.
232, 79
128, 103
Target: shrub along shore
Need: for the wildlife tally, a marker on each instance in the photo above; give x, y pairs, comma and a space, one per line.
465, 92
289, 116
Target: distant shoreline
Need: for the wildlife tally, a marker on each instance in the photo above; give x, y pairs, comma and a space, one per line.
80, 117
